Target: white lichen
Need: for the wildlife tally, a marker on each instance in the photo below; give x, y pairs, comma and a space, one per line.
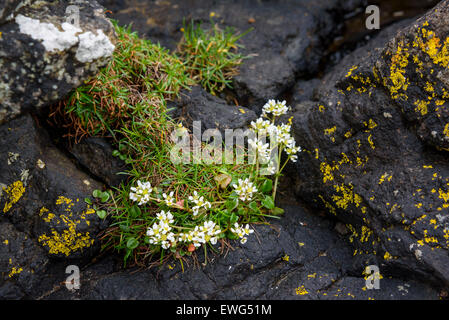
90, 46
52, 39
93, 46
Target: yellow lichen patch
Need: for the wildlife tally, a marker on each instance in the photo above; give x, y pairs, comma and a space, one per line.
351, 70
321, 108
286, 258
370, 141
446, 130
69, 240
346, 197
443, 195
330, 132
15, 271
14, 192
399, 62
430, 44
326, 170
328, 206
387, 256
301, 291
422, 107
371, 124
348, 134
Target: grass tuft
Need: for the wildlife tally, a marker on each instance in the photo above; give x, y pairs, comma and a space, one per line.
211, 57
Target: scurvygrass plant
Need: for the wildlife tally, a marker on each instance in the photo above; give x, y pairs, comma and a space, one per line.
167, 209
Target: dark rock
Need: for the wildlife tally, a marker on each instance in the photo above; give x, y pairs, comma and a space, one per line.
40, 63
95, 154
8, 7
213, 112
374, 148
304, 90
298, 252
44, 215
289, 37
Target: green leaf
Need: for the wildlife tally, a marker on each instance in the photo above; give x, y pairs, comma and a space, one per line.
104, 196
96, 193
234, 218
277, 211
253, 206
267, 186
135, 211
268, 202
231, 204
132, 243
88, 201
115, 153
101, 214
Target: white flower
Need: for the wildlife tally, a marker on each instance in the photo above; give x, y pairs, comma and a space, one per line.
242, 232
263, 149
277, 108
159, 234
169, 199
199, 203
194, 197
261, 125
292, 150
141, 193
195, 210
247, 230
245, 189
165, 217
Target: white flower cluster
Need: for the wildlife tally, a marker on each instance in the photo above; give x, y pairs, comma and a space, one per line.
263, 149
141, 193
276, 108
199, 203
245, 189
160, 233
280, 134
208, 232
242, 232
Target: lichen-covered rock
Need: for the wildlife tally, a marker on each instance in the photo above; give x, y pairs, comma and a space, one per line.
9, 7
43, 192
48, 48
375, 148
298, 257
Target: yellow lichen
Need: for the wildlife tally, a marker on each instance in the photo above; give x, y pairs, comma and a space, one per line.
14, 192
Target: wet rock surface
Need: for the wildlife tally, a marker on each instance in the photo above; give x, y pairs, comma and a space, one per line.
375, 148
383, 184
297, 257
44, 53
